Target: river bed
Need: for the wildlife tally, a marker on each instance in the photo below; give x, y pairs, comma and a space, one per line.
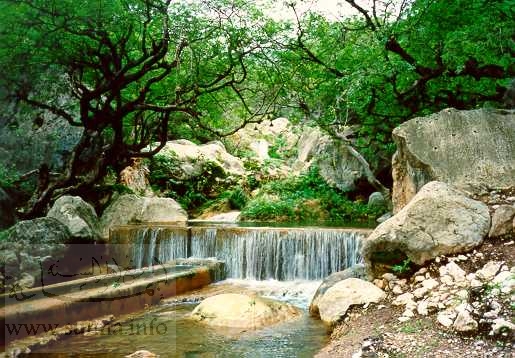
166, 329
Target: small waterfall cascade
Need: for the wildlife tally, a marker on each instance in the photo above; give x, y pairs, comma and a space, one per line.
281, 254
158, 244
256, 253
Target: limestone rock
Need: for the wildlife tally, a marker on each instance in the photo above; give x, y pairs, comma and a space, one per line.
502, 221
356, 271
336, 164
141, 354
464, 322
446, 318
439, 220
340, 297
489, 270
453, 270
192, 158
27, 246
7, 215
259, 137
130, 208
376, 199
242, 311
454, 147
135, 177
501, 325
78, 216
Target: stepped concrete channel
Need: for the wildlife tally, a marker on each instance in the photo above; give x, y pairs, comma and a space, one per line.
150, 263
116, 293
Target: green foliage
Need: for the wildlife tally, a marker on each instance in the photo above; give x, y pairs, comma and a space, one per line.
305, 198
166, 177
402, 268
376, 73
237, 198
8, 177
121, 189
4, 234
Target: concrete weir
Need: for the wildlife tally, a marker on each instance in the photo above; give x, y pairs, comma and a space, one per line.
32, 311
258, 253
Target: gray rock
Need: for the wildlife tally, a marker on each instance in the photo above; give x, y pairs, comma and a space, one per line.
78, 216
130, 208
472, 150
384, 217
356, 271
29, 244
439, 220
337, 300
336, 164
7, 215
192, 158
376, 200
464, 322
502, 221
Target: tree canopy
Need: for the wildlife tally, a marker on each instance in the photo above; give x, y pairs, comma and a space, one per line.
136, 72
132, 73
392, 61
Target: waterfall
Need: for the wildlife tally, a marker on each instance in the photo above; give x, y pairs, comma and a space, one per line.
281, 254
251, 253
158, 244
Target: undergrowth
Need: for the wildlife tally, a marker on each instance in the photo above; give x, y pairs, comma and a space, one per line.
305, 198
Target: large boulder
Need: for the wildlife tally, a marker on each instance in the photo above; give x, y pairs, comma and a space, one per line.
472, 150
339, 298
337, 165
131, 208
502, 221
78, 216
7, 215
242, 311
356, 271
27, 246
439, 220
192, 159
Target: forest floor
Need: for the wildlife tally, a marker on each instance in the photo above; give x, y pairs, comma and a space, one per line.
376, 331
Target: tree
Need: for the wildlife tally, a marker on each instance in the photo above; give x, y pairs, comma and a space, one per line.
132, 73
394, 60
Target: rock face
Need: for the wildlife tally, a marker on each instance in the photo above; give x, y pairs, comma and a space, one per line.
27, 245
502, 221
135, 177
472, 150
259, 138
337, 300
130, 208
242, 311
78, 216
439, 220
337, 165
192, 158
356, 271
7, 216
27, 146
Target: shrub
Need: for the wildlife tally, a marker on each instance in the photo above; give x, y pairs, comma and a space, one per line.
306, 198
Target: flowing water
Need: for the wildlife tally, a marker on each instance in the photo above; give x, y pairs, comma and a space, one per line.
166, 330
253, 253
280, 263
